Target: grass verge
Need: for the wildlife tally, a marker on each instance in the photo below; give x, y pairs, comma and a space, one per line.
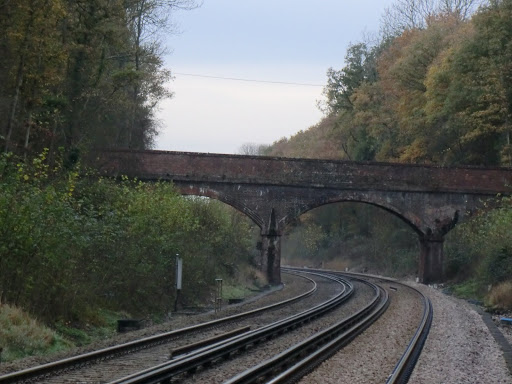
21, 335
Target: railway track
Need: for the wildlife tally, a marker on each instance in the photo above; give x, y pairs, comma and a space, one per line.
383, 361
204, 358
46, 371
405, 365
289, 365
53, 372
295, 362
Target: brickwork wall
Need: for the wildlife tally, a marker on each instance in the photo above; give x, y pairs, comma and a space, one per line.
183, 166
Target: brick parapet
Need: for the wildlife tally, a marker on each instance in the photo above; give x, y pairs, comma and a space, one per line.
310, 173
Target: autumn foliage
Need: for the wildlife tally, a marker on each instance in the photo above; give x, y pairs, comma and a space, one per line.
439, 93
83, 73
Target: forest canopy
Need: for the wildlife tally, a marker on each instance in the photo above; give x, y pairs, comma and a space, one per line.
436, 88
82, 73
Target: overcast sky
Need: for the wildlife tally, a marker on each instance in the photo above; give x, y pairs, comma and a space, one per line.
293, 41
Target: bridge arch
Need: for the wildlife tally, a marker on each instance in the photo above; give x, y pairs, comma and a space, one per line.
272, 211
343, 224
212, 193
410, 218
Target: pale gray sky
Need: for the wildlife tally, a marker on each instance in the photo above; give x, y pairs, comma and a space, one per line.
281, 41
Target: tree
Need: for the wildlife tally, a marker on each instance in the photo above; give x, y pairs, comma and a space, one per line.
406, 15
360, 67
469, 95
342, 85
82, 73
147, 20
32, 60
403, 69
253, 149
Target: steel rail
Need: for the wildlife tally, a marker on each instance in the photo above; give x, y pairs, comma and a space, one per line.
405, 365
403, 370
50, 369
205, 356
301, 358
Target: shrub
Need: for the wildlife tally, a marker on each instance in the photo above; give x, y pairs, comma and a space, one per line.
500, 296
499, 265
70, 245
481, 248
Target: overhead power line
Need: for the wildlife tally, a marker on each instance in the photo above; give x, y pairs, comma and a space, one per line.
248, 80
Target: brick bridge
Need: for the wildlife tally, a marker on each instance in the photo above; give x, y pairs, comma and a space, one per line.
274, 191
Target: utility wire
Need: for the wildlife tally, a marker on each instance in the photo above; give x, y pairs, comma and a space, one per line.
249, 80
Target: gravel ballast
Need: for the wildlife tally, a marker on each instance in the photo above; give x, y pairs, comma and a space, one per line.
460, 347
371, 356
228, 369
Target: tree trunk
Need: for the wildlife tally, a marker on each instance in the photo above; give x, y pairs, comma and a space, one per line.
51, 152
27, 133
14, 104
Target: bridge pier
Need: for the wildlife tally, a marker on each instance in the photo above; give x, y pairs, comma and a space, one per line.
271, 250
271, 258
431, 260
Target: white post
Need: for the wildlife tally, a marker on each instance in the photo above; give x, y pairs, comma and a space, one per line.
179, 271
179, 278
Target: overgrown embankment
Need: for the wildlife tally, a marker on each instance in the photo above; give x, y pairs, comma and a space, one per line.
73, 247
479, 256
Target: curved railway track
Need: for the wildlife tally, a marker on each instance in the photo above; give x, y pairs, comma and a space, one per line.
45, 371
295, 362
289, 365
205, 357
404, 363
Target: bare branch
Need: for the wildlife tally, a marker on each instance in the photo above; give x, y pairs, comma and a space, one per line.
413, 14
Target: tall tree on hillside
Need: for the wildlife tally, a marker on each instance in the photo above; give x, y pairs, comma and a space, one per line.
360, 70
406, 15
148, 20
470, 92
403, 69
32, 60
360, 67
82, 73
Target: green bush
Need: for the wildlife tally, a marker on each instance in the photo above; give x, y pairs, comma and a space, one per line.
480, 248
71, 245
499, 265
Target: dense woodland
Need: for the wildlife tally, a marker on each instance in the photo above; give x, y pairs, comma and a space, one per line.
78, 251
434, 87
82, 73
439, 92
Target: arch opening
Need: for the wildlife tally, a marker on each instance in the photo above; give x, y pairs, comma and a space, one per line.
410, 219
237, 258
358, 235
226, 199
